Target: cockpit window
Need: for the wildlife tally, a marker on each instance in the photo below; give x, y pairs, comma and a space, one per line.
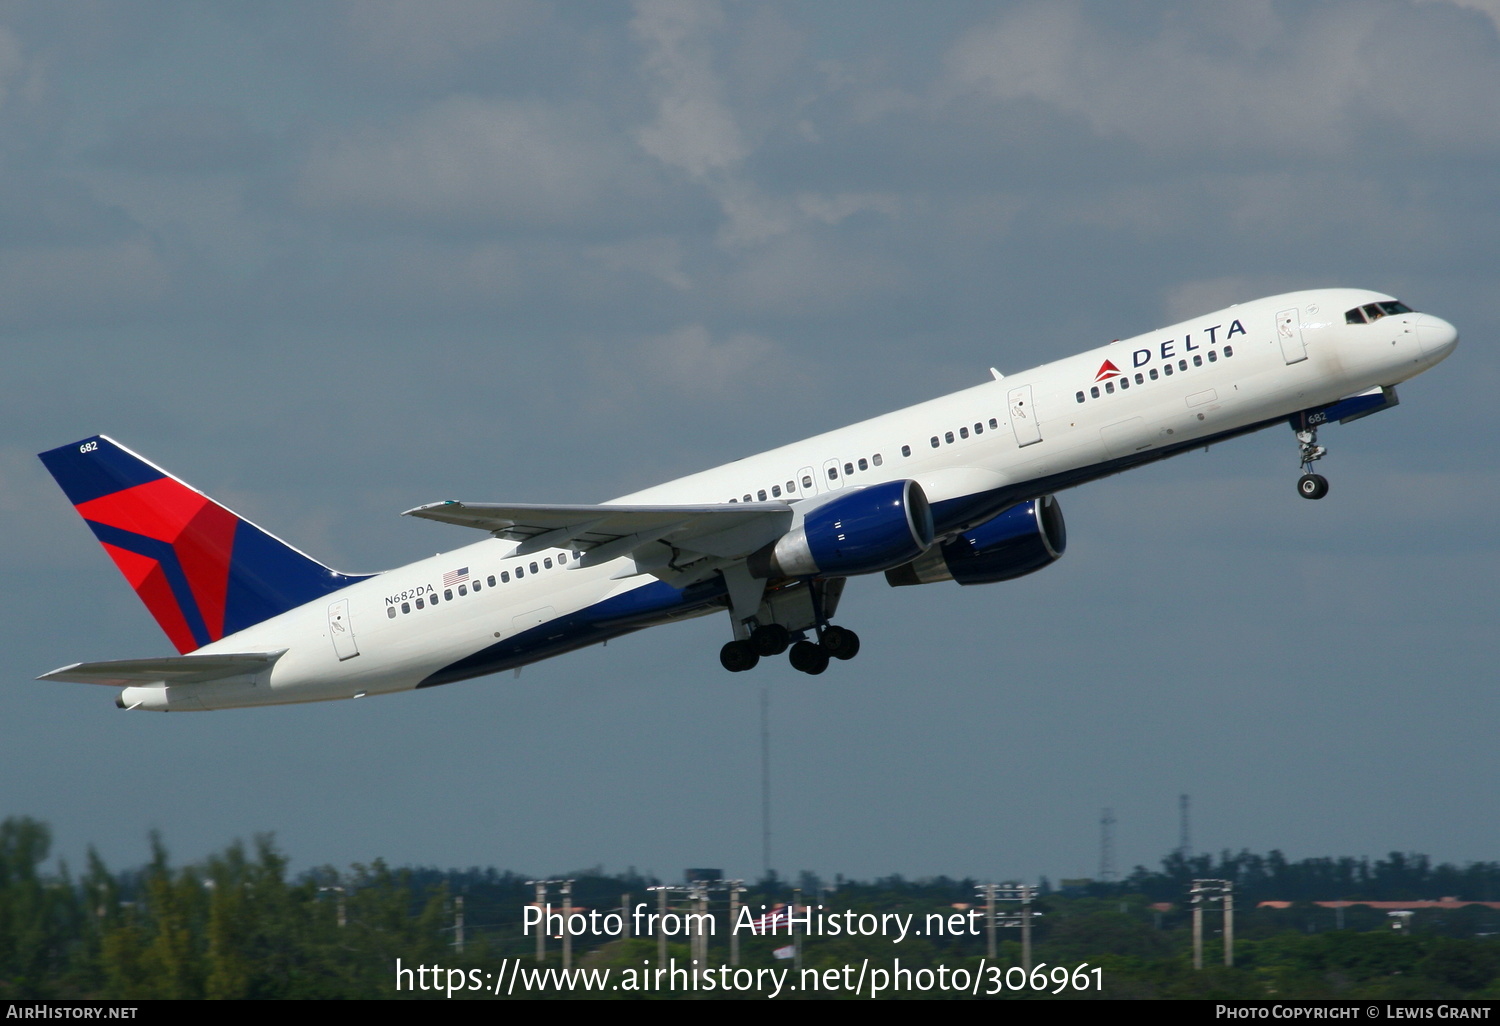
1372, 312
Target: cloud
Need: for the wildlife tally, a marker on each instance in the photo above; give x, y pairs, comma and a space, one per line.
1272, 82
415, 35
186, 139
689, 364
481, 162
693, 129
68, 283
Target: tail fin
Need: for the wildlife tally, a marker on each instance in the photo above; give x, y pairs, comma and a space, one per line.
202, 571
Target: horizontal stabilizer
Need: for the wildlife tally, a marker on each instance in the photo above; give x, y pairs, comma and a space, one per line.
188, 669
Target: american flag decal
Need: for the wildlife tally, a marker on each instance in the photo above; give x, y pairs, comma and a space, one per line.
453, 577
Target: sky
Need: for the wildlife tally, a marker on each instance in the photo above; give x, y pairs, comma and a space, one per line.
331, 261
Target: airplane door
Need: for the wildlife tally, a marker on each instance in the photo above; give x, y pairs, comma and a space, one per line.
1023, 416
1289, 334
833, 475
807, 482
341, 631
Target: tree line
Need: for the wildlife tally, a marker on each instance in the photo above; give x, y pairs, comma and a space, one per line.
239, 925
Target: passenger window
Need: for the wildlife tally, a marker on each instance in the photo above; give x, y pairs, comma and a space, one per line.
419, 603
1228, 351
531, 565
876, 459
562, 560
1079, 396
520, 572
747, 496
994, 423
948, 437
963, 432
1213, 357
791, 486
806, 480
1139, 380
1109, 386
492, 580
863, 464
390, 611
1197, 361
833, 473
761, 495
406, 607
979, 429
934, 441
1182, 365
1153, 373
1094, 391
1124, 382
476, 586
848, 469
776, 491
448, 593
1167, 370
906, 450
463, 589
433, 598
504, 576
547, 562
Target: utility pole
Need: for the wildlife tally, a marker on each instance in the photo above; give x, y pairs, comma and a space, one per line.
765, 781
1010, 892
541, 907
988, 890
735, 887
1107, 846
458, 924
1184, 835
1206, 892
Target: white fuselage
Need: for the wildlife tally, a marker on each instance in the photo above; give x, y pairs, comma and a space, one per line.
974, 452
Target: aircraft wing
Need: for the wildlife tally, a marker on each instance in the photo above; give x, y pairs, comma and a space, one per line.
723, 532
187, 669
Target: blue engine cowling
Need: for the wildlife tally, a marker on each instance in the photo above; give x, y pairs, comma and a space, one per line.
860, 532
1019, 541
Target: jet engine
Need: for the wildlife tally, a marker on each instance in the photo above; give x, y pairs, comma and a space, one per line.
1019, 541
859, 532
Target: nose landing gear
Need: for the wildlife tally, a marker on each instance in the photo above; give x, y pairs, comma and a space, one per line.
1310, 485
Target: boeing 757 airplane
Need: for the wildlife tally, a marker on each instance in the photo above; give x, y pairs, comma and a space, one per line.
955, 489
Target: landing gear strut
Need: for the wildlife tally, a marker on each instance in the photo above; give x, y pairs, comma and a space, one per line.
817, 642
1310, 485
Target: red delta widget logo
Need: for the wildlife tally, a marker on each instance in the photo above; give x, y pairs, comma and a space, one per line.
1172, 349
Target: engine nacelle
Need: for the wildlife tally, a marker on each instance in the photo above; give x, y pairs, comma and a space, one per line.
860, 532
1019, 541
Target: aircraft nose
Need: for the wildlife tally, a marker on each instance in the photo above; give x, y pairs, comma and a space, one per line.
1437, 336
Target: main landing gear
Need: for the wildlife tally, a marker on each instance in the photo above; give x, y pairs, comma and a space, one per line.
1310, 485
773, 639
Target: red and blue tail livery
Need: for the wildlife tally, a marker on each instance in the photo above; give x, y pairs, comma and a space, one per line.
202, 571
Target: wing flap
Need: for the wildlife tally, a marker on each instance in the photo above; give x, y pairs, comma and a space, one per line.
188, 669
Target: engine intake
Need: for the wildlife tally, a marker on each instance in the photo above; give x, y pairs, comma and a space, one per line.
1016, 542
860, 532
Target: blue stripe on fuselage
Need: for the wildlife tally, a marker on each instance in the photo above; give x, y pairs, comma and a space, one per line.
640, 607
